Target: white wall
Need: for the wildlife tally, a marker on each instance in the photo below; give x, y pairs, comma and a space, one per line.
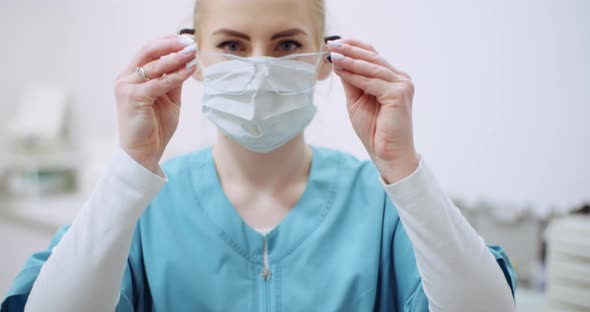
503, 87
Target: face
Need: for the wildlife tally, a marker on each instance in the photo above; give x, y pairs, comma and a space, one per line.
250, 28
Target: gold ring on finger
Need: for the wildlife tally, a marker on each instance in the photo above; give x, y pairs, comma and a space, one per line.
142, 74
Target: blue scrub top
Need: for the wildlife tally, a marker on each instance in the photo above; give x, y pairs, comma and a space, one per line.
341, 248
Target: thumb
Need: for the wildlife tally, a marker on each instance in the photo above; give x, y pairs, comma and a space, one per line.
352, 93
175, 95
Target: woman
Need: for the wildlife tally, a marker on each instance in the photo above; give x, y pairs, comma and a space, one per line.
261, 221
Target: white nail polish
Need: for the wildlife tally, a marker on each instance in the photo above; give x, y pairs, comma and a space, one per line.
335, 43
337, 56
190, 49
192, 63
185, 40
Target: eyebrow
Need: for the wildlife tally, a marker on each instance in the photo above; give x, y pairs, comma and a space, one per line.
288, 33
233, 33
282, 34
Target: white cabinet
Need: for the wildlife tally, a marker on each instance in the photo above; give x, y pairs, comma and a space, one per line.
27, 226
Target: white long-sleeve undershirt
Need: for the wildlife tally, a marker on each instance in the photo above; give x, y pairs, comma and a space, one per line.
85, 269
458, 271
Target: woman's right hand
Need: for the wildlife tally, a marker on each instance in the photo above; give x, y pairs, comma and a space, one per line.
148, 111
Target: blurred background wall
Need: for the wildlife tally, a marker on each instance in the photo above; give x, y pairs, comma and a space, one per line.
502, 99
503, 87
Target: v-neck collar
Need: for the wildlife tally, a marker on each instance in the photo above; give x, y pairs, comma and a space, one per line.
300, 222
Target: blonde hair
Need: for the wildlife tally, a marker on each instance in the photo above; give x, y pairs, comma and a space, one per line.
319, 11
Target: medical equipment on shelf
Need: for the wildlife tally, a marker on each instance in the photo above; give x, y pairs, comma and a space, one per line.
40, 121
39, 159
569, 264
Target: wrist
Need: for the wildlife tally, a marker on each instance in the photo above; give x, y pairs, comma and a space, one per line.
393, 171
151, 163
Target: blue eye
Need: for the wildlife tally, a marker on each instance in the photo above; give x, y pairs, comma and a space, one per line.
231, 46
289, 46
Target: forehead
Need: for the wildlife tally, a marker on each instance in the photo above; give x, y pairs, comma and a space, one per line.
256, 15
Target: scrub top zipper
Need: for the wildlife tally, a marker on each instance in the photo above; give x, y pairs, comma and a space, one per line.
266, 273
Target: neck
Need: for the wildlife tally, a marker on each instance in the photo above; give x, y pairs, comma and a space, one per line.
286, 165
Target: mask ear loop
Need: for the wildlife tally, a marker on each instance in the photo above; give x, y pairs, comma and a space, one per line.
316, 68
329, 58
233, 57
191, 32
272, 60
315, 71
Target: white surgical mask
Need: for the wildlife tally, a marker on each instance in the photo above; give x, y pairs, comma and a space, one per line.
260, 102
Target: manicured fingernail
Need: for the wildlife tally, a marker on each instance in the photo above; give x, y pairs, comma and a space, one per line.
190, 49
192, 63
185, 40
336, 56
335, 43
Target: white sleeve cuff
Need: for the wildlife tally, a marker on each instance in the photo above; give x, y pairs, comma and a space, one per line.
406, 190
137, 176
445, 244
130, 185
86, 267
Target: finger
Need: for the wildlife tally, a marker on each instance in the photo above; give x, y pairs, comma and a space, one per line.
365, 68
158, 48
339, 46
165, 65
372, 86
157, 87
360, 44
351, 48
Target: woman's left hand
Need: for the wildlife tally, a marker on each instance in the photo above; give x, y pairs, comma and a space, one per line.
379, 101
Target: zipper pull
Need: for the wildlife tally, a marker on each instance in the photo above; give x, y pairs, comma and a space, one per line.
265, 269
266, 274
